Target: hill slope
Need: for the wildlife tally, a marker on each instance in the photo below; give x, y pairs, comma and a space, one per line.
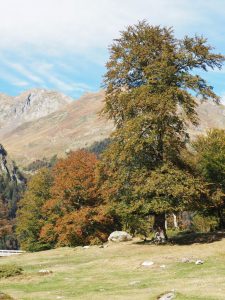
51, 124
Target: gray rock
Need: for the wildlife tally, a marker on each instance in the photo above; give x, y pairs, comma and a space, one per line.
147, 263
199, 262
44, 272
119, 236
168, 296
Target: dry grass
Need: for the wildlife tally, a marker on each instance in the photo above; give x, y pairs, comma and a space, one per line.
115, 272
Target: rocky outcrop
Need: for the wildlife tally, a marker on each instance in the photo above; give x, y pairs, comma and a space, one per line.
29, 106
8, 168
3, 161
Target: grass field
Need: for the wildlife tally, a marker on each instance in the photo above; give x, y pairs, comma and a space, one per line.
115, 272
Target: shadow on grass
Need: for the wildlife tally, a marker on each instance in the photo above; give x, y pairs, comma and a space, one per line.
184, 238
189, 238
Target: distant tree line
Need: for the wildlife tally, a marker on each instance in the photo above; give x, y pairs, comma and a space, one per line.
11, 191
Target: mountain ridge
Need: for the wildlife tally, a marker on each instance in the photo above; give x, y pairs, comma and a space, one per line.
76, 124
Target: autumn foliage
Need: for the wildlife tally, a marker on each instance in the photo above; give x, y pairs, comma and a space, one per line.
75, 214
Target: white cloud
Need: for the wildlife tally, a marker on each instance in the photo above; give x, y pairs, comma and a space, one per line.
77, 25
33, 32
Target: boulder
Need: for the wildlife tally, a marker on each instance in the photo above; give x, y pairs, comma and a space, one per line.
119, 236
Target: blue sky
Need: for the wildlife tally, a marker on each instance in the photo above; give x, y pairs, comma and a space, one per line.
62, 44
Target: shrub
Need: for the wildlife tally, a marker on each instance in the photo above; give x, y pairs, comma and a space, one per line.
10, 270
5, 297
204, 223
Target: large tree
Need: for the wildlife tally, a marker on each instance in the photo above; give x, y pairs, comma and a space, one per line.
150, 83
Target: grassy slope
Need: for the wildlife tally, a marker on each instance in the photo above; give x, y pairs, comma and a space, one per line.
110, 273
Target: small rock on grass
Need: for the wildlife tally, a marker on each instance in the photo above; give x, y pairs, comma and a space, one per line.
44, 272
86, 247
147, 263
199, 262
168, 296
162, 266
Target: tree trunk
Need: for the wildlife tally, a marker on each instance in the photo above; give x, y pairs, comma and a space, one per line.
159, 228
166, 225
175, 221
221, 219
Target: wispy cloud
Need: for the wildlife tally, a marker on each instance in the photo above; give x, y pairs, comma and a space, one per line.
13, 80
30, 75
63, 44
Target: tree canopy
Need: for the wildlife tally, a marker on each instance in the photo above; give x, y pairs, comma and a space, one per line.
75, 213
150, 83
29, 215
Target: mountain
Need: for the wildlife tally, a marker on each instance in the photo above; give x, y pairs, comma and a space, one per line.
211, 115
51, 123
76, 124
29, 106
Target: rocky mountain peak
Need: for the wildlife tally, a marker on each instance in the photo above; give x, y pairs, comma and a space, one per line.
29, 106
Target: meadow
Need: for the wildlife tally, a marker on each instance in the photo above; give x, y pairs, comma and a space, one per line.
116, 271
